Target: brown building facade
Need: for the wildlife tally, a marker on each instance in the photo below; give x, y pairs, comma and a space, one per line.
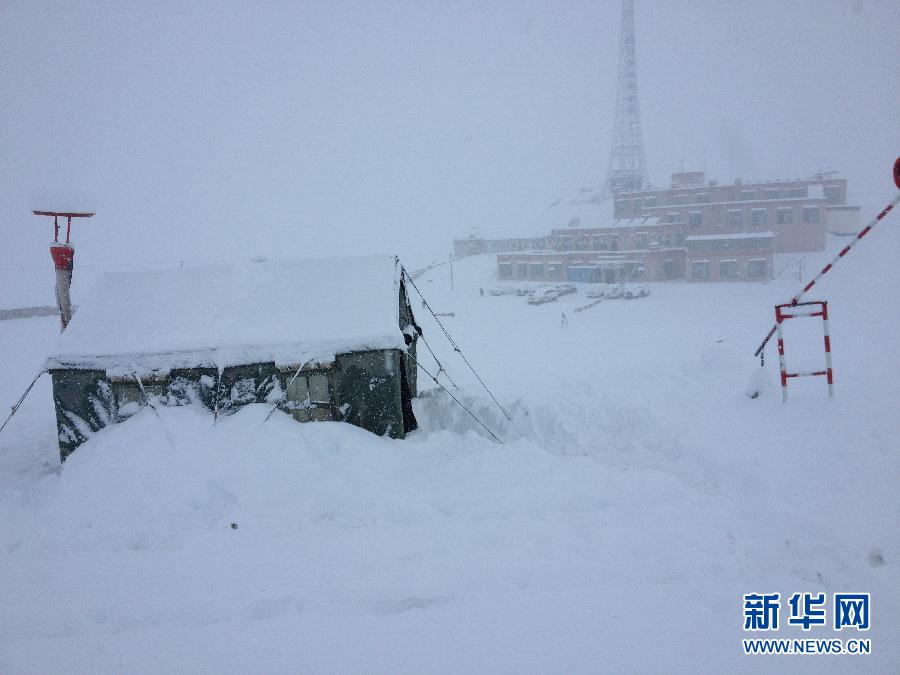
642, 250
695, 230
798, 212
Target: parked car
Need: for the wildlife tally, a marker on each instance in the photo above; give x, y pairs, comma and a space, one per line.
597, 291
632, 291
503, 290
566, 289
614, 292
544, 294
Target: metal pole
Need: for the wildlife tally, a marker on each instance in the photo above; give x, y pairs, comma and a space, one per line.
451, 271
781, 364
828, 373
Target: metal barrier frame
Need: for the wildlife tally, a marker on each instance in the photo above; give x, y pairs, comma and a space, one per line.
782, 313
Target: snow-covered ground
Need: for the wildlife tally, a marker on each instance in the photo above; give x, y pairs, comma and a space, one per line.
637, 496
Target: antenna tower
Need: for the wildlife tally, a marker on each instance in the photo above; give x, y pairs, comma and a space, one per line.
627, 169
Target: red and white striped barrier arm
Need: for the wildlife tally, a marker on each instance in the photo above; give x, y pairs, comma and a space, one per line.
844, 251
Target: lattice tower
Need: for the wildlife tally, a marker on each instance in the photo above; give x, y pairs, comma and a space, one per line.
627, 167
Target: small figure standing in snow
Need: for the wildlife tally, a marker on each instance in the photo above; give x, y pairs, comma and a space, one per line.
564, 321
481, 291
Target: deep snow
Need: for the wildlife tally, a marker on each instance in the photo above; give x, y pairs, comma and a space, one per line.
637, 496
232, 314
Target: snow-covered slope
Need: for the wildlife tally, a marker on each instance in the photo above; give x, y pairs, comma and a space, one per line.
637, 496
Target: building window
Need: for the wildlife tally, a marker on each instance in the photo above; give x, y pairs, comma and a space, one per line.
785, 216
774, 193
811, 215
308, 397
695, 219
673, 218
536, 271
669, 268
728, 269
758, 217
521, 271
756, 268
505, 270
554, 271
796, 193
833, 194
700, 270
649, 202
640, 241
703, 198
735, 217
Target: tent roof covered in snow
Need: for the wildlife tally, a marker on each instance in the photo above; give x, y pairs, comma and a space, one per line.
227, 314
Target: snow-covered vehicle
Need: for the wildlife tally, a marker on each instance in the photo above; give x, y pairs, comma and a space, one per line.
595, 292
632, 291
504, 290
542, 295
565, 289
614, 292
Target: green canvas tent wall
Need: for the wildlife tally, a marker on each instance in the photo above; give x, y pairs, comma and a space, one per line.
227, 335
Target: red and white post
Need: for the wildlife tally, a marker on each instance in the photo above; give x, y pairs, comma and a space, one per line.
788, 311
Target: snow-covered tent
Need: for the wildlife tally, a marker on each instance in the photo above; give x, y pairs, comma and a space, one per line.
231, 334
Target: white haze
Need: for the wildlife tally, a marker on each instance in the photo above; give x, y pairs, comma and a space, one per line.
205, 130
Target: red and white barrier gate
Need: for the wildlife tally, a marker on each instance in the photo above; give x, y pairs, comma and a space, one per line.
787, 311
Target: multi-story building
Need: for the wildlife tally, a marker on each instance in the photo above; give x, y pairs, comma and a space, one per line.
694, 230
798, 212
642, 249
477, 246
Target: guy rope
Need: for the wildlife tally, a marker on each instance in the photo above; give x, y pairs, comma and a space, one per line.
453, 344
21, 399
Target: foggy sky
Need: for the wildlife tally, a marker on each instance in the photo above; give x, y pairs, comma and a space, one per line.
293, 129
